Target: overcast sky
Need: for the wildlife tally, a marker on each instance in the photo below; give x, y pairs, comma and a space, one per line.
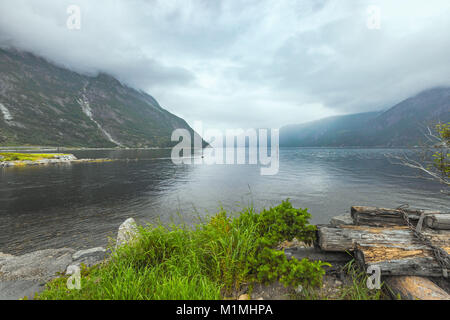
246, 64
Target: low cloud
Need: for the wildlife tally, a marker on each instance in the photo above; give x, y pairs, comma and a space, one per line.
246, 63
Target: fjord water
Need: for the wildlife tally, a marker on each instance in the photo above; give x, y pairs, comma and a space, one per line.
81, 205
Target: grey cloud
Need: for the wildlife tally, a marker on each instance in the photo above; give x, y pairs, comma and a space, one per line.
255, 63
354, 69
101, 45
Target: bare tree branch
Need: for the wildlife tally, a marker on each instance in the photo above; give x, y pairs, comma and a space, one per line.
434, 162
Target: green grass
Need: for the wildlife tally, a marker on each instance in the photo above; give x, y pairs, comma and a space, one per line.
173, 262
9, 156
211, 260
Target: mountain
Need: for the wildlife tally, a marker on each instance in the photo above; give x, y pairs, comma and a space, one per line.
402, 125
405, 123
44, 104
332, 131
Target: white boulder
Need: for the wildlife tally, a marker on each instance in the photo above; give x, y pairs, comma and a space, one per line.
127, 232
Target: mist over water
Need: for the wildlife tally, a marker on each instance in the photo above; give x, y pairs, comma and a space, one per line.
81, 205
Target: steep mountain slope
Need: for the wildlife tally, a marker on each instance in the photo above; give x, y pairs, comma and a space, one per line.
405, 123
402, 125
43, 104
332, 131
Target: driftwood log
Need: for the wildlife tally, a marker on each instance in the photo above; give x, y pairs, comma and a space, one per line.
440, 222
382, 217
415, 288
398, 260
395, 250
378, 237
345, 237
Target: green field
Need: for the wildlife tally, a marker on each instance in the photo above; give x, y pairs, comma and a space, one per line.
8, 156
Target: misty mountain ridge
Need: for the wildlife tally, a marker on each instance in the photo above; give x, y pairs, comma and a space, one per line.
400, 126
45, 104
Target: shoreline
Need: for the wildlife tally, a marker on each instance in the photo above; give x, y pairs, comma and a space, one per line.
42, 148
20, 159
49, 148
9, 164
22, 276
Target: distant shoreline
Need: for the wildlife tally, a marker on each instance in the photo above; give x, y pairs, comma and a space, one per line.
26, 159
41, 148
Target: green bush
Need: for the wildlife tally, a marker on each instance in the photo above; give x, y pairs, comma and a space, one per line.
285, 222
278, 224
273, 265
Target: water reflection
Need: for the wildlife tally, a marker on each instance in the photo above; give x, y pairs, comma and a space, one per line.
82, 204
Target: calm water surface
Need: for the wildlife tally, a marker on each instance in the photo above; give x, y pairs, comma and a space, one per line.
81, 205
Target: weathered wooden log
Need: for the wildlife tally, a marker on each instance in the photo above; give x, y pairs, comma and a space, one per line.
440, 222
382, 217
415, 288
344, 237
399, 259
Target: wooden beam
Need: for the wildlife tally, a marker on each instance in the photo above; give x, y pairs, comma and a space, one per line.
440, 222
399, 259
382, 217
415, 288
344, 237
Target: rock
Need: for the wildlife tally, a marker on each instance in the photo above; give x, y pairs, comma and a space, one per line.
19, 289
40, 265
89, 257
23, 276
66, 157
127, 232
4, 256
342, 219
244, 297
291, 244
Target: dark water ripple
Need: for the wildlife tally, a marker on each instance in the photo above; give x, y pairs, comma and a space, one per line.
81, 205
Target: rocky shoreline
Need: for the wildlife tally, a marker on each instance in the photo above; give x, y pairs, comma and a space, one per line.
25, 275
64, 159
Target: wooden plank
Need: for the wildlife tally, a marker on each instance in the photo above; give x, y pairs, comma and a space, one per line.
441, 222
344, 237
399, 259
415, 288
383, 217
380, 217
